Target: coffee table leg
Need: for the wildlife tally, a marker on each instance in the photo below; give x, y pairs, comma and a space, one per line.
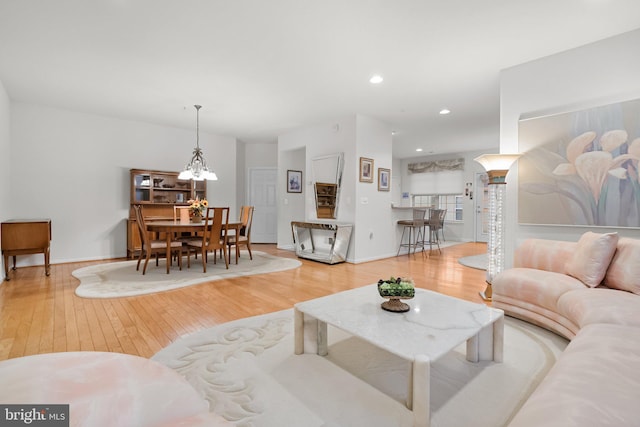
421, 392
298, 331
323, 349
498, 340
473, 350
488, 343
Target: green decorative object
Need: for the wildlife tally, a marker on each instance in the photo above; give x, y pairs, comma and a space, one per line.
396, 289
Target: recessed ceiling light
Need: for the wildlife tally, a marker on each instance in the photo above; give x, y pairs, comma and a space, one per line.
376, 79
444, 111
418, 149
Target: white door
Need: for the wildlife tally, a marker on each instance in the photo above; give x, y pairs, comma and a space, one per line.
262, 196
481, 204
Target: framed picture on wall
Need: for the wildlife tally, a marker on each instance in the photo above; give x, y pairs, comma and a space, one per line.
384, 179
294, 181
366, 169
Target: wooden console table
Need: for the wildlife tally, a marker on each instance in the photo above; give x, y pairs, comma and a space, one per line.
25, 237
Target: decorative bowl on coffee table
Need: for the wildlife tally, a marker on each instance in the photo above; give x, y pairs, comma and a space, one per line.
395, 290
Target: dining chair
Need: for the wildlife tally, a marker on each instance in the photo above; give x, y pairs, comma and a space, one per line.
152, 247
243, 235
214, 237
184, 237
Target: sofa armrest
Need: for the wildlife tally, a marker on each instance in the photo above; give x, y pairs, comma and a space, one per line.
541, 254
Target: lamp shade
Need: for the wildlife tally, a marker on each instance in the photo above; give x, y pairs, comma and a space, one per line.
493, 162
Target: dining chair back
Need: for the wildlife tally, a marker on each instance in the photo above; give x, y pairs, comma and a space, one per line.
243, 235
152, 247
180, 213
215, 235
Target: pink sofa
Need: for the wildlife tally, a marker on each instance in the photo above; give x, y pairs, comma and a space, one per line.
106, 390
589, 292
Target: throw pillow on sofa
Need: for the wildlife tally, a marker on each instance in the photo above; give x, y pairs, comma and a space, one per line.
624, 271
592, 257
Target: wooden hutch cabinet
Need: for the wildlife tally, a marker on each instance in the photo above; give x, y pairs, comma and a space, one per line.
158, 192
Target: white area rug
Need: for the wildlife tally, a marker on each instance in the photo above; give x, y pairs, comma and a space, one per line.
120, 279
247, 371
475, 261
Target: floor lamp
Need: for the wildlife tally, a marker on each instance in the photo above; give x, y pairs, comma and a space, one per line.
497, 166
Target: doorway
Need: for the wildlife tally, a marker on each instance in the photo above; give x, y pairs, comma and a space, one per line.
481, 207
262, 196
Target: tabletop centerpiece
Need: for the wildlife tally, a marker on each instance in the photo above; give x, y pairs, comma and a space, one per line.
197, 207
396, 289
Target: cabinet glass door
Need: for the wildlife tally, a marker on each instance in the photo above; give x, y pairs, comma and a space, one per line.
142, 188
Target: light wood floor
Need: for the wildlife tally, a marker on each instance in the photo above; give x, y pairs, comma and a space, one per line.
40, 314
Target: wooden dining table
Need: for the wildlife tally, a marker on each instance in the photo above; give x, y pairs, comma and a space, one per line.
170, 228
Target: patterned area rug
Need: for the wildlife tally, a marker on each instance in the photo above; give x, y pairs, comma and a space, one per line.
247, 371
120, 279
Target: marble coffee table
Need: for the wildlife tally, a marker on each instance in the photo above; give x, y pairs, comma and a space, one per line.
434, 326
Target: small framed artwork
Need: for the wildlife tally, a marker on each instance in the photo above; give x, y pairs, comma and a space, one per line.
366, 169
294, 181
384, 179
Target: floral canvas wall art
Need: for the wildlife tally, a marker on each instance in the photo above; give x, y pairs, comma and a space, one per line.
581, 168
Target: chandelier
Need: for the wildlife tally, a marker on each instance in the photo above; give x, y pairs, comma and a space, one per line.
197, 168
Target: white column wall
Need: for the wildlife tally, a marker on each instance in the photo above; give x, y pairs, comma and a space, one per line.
374, 230
596, 74
82, 180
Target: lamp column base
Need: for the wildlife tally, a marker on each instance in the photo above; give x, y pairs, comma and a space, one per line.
487, 294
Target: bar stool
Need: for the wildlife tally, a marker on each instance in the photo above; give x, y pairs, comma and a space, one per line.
435, 223
415, 228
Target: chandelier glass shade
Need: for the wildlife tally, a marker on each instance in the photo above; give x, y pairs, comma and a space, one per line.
197, 168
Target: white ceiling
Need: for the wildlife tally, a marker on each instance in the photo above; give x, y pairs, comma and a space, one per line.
261, 68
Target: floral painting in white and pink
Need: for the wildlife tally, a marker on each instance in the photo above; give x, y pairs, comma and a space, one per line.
581, 168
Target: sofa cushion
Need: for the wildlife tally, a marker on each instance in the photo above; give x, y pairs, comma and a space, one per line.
592, 257
595, 382
601, 305
538, 287
541, 254
624, 270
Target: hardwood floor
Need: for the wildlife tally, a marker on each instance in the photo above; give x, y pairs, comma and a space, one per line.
40, 314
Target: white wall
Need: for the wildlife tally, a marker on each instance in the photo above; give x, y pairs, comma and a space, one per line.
596, 74
355, 136
5, 157
374, 230
291, 206
320, 140
83, 164
261, 155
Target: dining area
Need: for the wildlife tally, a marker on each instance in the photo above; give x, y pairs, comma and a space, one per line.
204, 231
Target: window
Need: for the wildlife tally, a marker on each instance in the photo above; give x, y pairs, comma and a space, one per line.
451, 202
